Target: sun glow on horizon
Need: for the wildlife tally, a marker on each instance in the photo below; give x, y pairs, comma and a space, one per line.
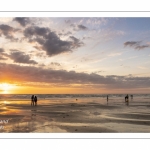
6, 88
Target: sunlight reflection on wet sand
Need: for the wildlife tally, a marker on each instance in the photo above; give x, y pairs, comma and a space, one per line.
76, 115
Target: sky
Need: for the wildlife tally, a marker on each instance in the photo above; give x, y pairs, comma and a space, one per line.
98, 55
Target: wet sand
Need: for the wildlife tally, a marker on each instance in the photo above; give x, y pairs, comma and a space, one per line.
82, 115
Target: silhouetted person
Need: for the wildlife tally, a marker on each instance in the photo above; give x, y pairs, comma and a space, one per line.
126, 98
107, 98
32, 100
131, 96
35, 100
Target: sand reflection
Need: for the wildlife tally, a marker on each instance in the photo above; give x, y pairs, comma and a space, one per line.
76, 115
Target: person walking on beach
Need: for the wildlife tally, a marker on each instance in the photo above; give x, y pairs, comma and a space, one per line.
35, 100
32, 100
127, 98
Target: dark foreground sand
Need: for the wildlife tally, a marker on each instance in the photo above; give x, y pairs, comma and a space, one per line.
75, 116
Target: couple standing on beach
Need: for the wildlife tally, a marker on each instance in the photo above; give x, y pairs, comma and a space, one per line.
33, 100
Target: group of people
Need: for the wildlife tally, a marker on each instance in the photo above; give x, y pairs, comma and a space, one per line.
126, 98
33, 100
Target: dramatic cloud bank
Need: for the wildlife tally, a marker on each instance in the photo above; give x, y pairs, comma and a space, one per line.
48, 76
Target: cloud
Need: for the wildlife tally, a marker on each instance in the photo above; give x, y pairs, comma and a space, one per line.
23, 21
131, 43
20, 57
7, 31
140, 47
33, 74
49, 76
55, 64
65, 34
36, 31
136, 45
1, 50
76, 42
2, 58
97, 72
49, 40
82, 27
78, 27
3, 55
96, 21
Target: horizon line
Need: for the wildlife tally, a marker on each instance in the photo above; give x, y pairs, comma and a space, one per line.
73, 93
74, 11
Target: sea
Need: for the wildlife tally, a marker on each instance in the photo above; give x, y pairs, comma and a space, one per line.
55, 96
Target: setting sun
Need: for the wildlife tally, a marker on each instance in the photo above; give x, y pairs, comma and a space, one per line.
6, 87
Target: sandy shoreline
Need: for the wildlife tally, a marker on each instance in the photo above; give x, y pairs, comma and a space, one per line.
75, 116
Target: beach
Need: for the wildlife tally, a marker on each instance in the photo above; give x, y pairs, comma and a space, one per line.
75, 115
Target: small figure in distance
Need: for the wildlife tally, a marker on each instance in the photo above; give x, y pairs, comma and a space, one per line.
32, 100
35, 100
126, 98
107, 98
